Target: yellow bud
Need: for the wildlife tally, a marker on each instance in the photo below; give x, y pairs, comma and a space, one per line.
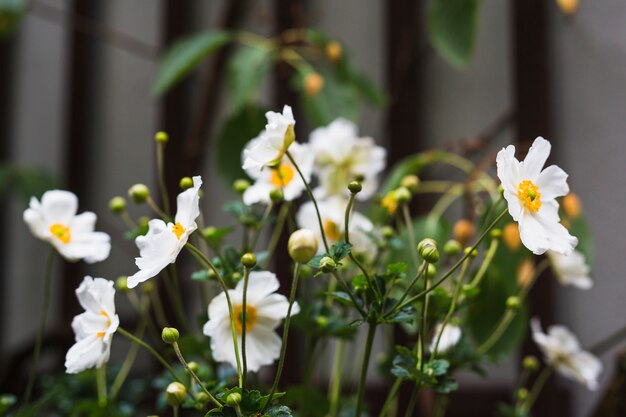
463, 231
302, 245
175, 394
313, 84
334, 51
572, 206
568, 7
525, 272
510, 236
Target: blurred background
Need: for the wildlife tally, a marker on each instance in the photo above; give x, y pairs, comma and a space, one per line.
78, 111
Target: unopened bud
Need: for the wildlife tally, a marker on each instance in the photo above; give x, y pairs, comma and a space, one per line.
525, 272
431, 271
248, 260
210, 232
333, 51
510, 236
388, 232
241, 185
233, 399
313, 84
463, 231
117, 205
321, 321
170, 335
452, 247
185, 183
355, 187
236, 276
193, 366
139, 193
403, 195
277, 195
161, 137
302, 245
530, 363
175, 394
327, 264
496, 233
411, 183
522, 394
471, 252
428, 250
121, 284
202, 397
572, 206
513, 302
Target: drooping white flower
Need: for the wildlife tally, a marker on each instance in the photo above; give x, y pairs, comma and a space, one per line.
561, 350
283, 175
54, 220
571, 269
333, 212
163, 242
95, 327
264, 312
342, 156
273, 141
531, 196
449, 337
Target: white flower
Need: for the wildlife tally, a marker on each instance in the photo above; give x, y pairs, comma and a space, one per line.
273, 141
333, 211
163, 242
95, 327
561, 350
531, 196
264, 312
341, 156
571, 269
449, 338
283, 175
54, 220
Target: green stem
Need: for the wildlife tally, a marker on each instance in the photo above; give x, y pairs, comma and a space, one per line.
150, 349
347, 236
537, 387
162, 184
266, 215
493, 247
411, 232
175, 408
422, 334
371, 332
607, 343
42, 326
422, 271
246, 276
441, 403
156, 209
193, 374
391, 396
157, 305
334, 388
283, 348
278, 230
102, 385
173, 290
412, 402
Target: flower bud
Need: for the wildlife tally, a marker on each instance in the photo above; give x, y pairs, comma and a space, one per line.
117, 205
530, 363
522, 394
525, 272
175, 394
411, 183
452, 247
210, 232
139, 193
241, 185
572, 206
248, 260
161, 137
355, 187
513, 303
236, 276
500, 189
327, 264
388, 232
333, 51
147, 287
403, 195
170, 335
496, 233
302, 245
193, 366
510, 236
185, 183
121, 284
463, 231
431, 271
472, 252
233, 399
202, 397
321, 321
568, 7
428, 250
277, 195
313, 84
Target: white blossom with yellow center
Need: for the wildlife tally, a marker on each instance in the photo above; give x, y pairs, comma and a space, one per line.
531, 192
95, 327
571, 269
561, 350
283, 175
264, 312
273, 142
342, 156
163, 242
54, 220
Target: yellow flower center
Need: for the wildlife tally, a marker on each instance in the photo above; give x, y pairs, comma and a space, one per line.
100, 335
331, 229
529, 195
178, 230
251, 317
390, 202
61, 232
282, 175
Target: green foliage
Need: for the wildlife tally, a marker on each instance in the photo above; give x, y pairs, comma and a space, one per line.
319, 320
25, 182
433, 374
11, 14
580, 228
452, 29
252, 403
246, 70
184, 56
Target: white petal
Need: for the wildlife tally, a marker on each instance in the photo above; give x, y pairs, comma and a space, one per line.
260, 284
262, 347
90, 246
571, 269
87, 353
552, 183
275, 307
533, 234
84, 222
59, 206
259, 192
508, 168
187, 206
97, 294
536, 158
34, 219
560, 239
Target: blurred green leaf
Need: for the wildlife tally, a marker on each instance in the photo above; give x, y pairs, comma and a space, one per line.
25, 182
579, 227
11, 14
452, 29
184, 55
246, 71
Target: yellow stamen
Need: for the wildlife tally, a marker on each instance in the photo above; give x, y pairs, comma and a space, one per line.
529, 195
61, 232
331, 230
251, 317
390, 202
282, 175
100, 335
178, 230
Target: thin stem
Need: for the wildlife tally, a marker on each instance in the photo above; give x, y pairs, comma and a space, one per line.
156, 208
101, 382
371, 332
175, 408
246, 276
127, 220
607, 343
150, 349
312, 197
161, 172
278, 230
441, 403
157, 305
334, 388
537, 387
412, 401
410, 232
347, 236
173, 290
193, 374
422, 334
493, 247
283, 349
348, 291
391, 396
42, 326
266, 215
422, 271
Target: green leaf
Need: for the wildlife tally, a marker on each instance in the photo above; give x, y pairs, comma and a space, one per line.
237, 131
340, 250
452, 29
359, 282
202, 275
246, 71
279, 411
184, 55
11, 14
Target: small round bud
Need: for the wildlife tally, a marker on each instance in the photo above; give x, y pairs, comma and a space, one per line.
327, 264
302, 245
403, 195
170, 335
572, 206
568, 7
139, 193
193, 366
313, 84
522, 394
333, 51
355, 187
185, 183
147, 287
277, 195
496, 233
463, 231
210, 232
500, 189
432, 271
161, 137
248, 260
530, 363
175, 394
428, 250
452, 247
236, 276
513, 302
117, 205
121, 284
382, 358
202, 397
511, 238
321, 321
241, 185
388, 232
359, 177
233, 399
411, 183
472, 252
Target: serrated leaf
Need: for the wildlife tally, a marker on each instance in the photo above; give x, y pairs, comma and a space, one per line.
340, 250
359, 282
279, 411
184, 55
246, 71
